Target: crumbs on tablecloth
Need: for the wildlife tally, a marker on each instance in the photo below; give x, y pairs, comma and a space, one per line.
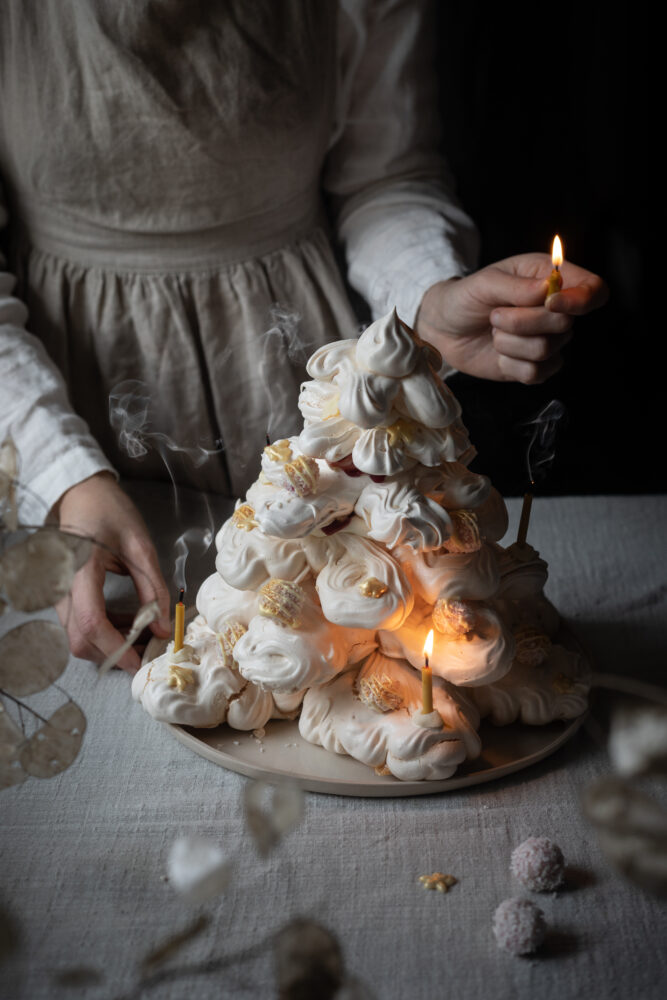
438, 881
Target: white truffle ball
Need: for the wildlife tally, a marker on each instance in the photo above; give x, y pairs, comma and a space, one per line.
538, 864
519, 926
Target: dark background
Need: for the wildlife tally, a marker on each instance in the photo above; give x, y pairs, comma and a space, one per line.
546, 127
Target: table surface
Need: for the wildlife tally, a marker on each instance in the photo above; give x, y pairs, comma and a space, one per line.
84, 886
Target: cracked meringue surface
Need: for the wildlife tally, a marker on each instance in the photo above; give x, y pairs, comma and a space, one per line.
212, 693
333, 716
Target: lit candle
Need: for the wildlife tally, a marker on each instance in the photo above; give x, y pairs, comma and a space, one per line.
525, 518
427, 677
555, 282
179, 622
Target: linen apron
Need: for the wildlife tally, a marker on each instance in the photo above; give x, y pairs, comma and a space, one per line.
162, 162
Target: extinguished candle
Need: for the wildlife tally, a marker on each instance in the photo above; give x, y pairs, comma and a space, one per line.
179, 622
555, 282
427, 677
525, 518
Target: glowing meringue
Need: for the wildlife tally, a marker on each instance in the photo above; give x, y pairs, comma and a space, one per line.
336, 718
352, 560
284, 659
471, 575
478, 657
397, 514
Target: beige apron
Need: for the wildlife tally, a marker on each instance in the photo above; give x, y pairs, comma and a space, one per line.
162, 162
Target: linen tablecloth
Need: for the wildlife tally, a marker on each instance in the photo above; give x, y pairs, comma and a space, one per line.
84, 887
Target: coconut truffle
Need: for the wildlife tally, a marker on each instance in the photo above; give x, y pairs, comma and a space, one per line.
519, 926
538, 864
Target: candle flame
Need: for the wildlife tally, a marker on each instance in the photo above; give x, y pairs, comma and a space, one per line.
557, 252
428, 645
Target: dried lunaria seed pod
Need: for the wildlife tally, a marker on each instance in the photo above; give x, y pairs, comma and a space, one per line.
308, 962
380, 693
55, 745
11, 740
145, 615
283, 600
279, 451
8, 475
243, 517
37, 572
465, 535
198, 868
372, 587
532, 646
272, 811
227, 639
632, 831
32, 657
302, 475
638, 740
453, 618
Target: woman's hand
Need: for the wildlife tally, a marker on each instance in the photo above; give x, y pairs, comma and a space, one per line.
99, 509
495, 323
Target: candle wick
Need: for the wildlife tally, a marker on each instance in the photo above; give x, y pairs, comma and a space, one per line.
426, 660
180, 595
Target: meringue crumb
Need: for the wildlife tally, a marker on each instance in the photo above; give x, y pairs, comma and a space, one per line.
438, 881
258, 733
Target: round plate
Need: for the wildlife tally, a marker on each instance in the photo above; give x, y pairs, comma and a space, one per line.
279, 751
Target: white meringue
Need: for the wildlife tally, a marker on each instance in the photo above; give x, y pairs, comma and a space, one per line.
426, 399
479, 657
210, 690
353, 561
332, 358
452, 486
556, 689
247, 559
218, 603
283, 659
365, 398
334, 717
387, 347
397, 514
451, 575
520, 596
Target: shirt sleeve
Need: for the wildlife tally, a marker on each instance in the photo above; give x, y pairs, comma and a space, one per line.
390, 188
55, 447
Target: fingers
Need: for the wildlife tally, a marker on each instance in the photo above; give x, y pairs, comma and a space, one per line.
144, 568
581, 298
528, 372
530, 321
91, 635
